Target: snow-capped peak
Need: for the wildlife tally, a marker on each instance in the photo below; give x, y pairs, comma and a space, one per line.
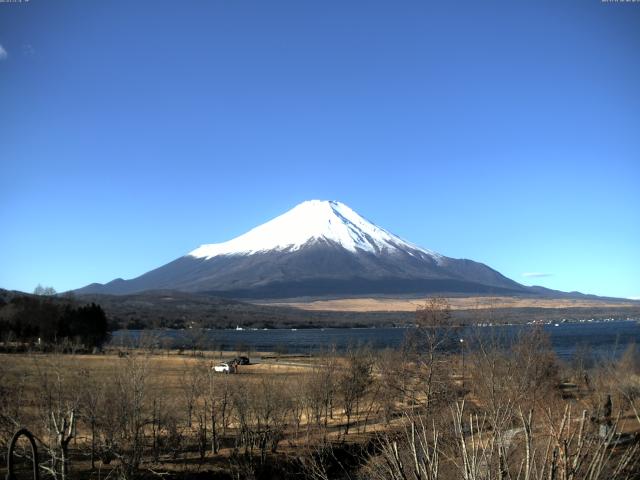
313, 220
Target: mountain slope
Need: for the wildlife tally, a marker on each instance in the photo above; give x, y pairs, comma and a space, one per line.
317, 248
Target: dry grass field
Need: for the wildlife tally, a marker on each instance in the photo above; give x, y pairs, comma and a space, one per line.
165, 371
147, 413
456, 303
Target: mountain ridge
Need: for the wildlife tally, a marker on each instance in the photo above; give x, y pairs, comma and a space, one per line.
316, 248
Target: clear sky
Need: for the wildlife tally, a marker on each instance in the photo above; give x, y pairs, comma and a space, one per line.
507, 132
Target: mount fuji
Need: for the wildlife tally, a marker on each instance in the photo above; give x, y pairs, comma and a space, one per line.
318, 248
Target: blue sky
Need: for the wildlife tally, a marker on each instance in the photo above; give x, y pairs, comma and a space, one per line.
505, 132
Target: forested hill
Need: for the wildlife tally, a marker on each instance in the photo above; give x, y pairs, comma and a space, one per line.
49, 319
171, 309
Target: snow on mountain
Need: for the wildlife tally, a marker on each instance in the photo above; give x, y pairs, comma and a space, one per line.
309, 222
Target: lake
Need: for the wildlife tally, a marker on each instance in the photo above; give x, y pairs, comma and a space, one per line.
609, 338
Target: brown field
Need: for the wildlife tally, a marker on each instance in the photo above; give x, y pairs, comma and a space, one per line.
456, 303
166, 371
295, 403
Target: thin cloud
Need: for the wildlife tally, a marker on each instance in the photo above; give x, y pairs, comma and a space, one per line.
537, 274
3, 53
28, 50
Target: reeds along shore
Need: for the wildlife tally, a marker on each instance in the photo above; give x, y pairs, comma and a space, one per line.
411, 413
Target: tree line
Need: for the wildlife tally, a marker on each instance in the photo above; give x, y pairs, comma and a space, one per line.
46, 321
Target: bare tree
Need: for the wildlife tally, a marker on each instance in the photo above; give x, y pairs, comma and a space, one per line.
58, 405
12, 402
44, 291
296, 393
191, 386
271, 408
623, 377
91, 392
219, 400
428, 342
126, 414
354, 380
563, 449
395, 373
320, 389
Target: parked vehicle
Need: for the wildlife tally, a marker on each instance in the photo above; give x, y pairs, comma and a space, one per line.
222, 368
242, 360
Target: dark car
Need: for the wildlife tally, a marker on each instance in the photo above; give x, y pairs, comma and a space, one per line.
242, 360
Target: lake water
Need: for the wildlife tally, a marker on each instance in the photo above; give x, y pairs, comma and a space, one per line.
609, 338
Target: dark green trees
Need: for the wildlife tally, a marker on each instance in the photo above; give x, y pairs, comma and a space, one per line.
48, 321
